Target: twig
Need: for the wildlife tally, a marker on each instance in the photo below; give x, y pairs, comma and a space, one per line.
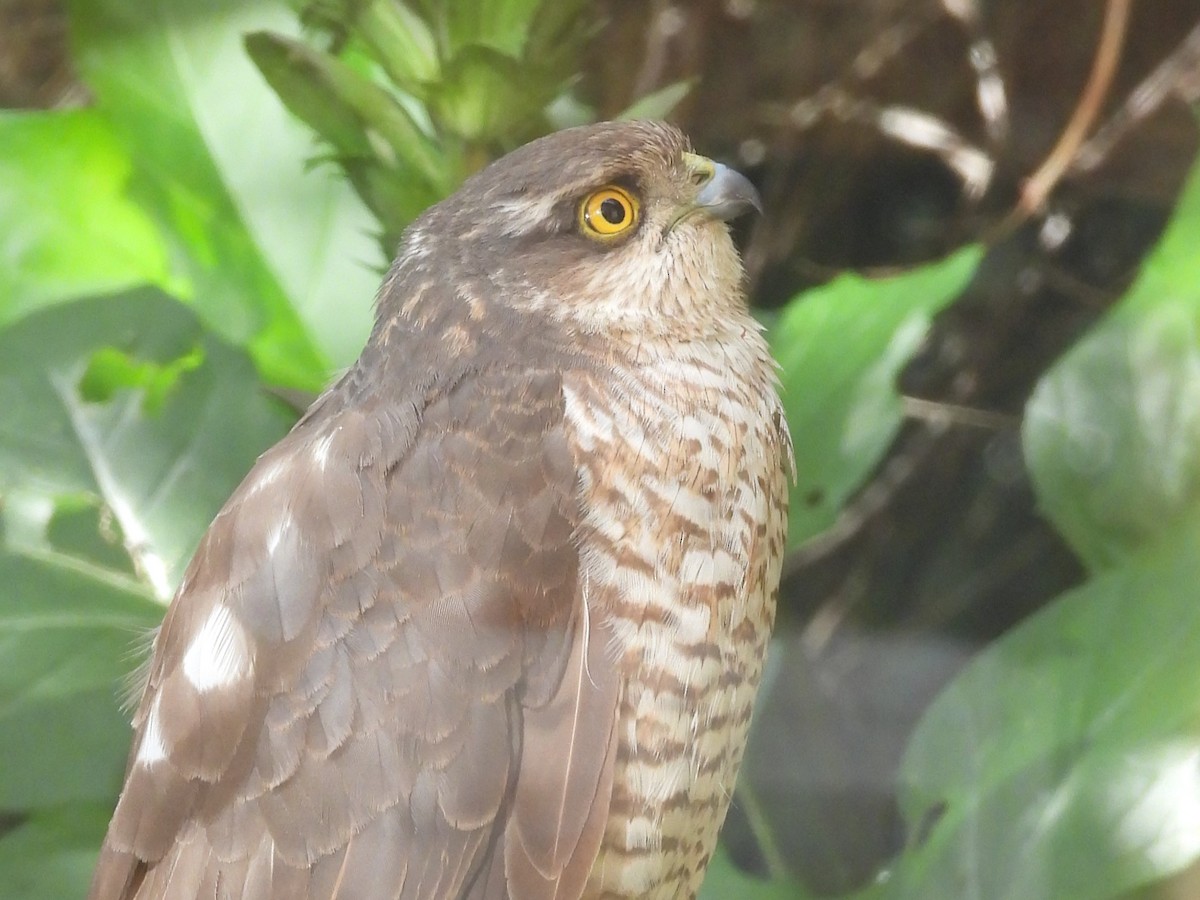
1174, 76
1108, 55
935, 411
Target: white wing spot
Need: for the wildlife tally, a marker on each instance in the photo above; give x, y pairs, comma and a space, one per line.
218, 655
152, 749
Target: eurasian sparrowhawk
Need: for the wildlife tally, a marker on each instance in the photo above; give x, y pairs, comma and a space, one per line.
489, 621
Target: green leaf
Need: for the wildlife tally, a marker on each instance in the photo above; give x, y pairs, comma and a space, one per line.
1065, 762
313, 86
397, 170
1112, 434
67, 226
723, 880
103, 497
661, 103
112, 370
69, 631
51, 856
160, 471
502, 25
399, 39
226, 179
485, 95
360, 119
558, 38
840, 348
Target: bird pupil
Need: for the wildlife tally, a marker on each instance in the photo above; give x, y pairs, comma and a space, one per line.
613, 211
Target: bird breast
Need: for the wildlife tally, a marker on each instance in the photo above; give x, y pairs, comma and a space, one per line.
684, 465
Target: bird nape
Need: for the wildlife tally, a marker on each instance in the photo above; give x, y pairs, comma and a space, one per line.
489, 622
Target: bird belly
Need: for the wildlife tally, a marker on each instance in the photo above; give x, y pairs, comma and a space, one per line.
685, 533
682, 733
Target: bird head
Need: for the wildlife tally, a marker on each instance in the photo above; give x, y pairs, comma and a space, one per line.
604, 228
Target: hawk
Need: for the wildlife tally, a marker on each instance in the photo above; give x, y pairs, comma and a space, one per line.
489, 621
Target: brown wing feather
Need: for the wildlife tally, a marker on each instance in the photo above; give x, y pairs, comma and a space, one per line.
561, 805
364, 686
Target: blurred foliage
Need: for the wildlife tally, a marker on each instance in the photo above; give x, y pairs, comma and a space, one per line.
840, 394
174, 257
409, 99
1065, 761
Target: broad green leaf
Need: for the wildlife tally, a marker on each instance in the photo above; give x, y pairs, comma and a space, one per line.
1065, 762
279, 257
840, 348
70, 630
160, 469
67, 226
51, 856
1112, 434
103, 496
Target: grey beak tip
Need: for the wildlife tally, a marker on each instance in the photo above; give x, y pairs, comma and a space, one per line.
728, 194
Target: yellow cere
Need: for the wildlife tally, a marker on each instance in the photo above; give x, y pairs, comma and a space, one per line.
609, 211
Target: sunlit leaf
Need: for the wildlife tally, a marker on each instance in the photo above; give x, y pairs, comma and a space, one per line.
840, 348
161, 470
56, 245
1113, 432
220, 164
1065, 762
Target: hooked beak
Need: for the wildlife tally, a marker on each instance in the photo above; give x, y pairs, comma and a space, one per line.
724, 193
728, 194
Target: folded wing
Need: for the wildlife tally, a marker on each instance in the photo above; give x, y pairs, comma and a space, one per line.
379, 678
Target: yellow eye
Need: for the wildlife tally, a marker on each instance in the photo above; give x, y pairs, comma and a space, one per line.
609, 211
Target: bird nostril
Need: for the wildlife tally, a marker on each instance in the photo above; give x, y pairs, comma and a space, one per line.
701, 169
